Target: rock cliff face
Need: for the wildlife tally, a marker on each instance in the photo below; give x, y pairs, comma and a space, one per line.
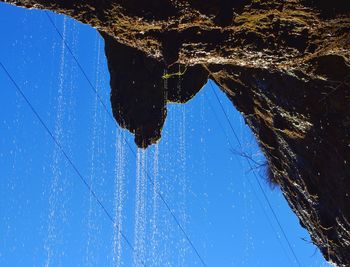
283, 64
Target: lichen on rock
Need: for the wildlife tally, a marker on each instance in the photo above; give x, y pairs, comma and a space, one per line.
283, 64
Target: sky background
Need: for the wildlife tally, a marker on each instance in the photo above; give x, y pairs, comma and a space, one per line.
48, 217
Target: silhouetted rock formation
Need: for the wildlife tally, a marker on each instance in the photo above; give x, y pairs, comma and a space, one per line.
283, 64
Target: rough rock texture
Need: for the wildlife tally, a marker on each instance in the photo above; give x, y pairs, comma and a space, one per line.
284, 65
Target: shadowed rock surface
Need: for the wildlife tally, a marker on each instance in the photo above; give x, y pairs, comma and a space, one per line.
140, 89
283, 64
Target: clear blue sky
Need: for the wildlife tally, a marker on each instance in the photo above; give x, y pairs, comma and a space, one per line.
47, 216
